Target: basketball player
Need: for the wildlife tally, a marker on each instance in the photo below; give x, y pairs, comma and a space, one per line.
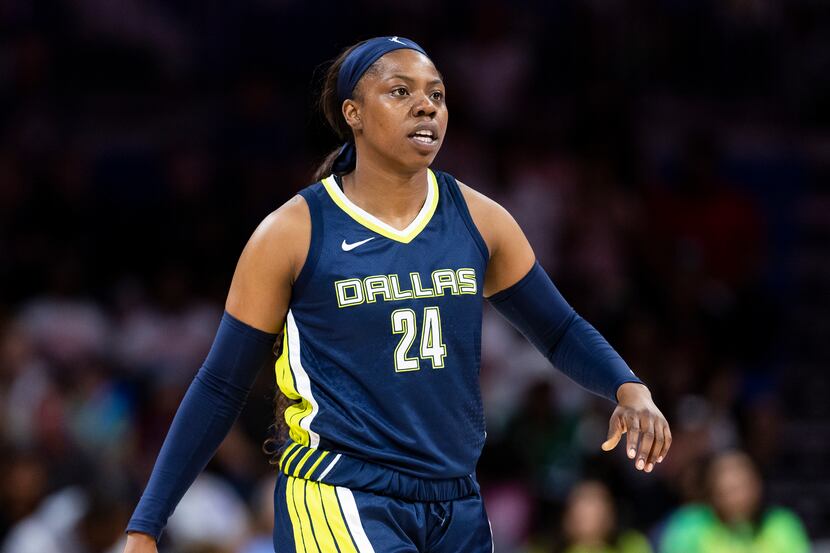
375, 277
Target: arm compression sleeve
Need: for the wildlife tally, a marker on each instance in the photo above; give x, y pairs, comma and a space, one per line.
209, 408
536, 309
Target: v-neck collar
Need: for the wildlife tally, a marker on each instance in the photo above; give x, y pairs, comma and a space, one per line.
373, 223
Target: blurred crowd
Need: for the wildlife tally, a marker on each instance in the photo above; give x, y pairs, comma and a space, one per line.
662, 157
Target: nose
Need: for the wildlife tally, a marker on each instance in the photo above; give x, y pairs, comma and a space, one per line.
424, 106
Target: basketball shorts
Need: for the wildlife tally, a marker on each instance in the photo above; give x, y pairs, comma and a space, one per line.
312, 517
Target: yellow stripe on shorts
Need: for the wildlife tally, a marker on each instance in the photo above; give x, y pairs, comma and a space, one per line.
292, 514
302, 511
331, 508
316, 518
314, 501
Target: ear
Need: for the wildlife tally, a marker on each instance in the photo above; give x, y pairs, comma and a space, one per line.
351, 112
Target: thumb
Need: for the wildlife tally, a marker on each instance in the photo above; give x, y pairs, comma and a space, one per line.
615, 432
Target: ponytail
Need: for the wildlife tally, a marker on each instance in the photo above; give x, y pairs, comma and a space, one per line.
330, 106
326, 166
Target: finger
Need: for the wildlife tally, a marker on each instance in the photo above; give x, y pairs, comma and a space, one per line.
656, 448
666, 444
632, 436
646, 441
615, 432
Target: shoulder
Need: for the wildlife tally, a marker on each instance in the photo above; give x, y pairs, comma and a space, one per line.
478, 202
511, 255
493, 221
287, 220
783, 519
686, 526
693, 513
283, 235
632, 541
269, 265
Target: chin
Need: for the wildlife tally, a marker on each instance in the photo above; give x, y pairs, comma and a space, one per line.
413, 164
422, 164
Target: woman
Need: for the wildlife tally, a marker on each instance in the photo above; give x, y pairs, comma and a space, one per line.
590, 525
375, 277
735, 519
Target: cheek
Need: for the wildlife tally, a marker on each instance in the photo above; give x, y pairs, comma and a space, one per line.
380, 124
388, 113
443, 115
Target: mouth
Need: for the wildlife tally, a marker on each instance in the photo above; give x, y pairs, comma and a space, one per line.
424, 137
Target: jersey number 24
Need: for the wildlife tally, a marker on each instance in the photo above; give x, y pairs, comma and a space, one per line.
432, 345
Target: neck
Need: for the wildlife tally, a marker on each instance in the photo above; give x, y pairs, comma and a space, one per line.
392, 196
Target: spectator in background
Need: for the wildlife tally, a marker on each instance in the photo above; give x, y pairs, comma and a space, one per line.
734, 520
75, 519
590, 524
140, 141
23, 485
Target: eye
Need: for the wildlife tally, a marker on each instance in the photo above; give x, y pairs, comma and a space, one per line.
400, 91
438, 95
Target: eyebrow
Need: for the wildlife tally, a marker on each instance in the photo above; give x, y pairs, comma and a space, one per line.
411, 80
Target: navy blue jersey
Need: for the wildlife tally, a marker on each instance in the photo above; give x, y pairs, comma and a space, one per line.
383, 334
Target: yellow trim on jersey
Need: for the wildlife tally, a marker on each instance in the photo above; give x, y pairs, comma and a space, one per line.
290, 459
302, 461
286, 453
373, 223
308, 474
285, 380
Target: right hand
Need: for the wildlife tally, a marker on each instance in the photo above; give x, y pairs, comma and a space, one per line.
140, 543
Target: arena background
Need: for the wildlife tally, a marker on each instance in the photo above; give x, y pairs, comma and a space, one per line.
668, 160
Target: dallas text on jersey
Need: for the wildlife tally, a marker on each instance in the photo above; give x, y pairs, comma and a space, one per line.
355, 291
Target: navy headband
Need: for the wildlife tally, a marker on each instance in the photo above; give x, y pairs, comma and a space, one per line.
362, 57
354, 66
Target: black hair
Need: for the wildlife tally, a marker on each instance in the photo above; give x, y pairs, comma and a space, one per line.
330, 106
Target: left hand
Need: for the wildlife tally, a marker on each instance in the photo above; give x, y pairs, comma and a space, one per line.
648, 437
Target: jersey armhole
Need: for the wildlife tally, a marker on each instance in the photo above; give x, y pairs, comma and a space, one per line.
464, 211
316, 239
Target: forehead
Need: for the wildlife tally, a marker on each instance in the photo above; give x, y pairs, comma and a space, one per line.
406, 62
731, 466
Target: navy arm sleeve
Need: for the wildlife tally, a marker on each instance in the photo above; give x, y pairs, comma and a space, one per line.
536, 309
205, 416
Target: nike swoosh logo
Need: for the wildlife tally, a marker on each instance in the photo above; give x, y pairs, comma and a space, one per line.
349, 247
